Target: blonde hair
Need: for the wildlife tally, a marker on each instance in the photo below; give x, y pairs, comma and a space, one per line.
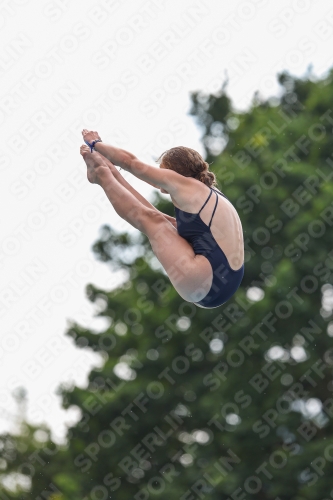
187, 162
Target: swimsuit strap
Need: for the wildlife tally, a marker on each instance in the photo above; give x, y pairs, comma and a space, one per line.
217, 191
210, 194
217, 199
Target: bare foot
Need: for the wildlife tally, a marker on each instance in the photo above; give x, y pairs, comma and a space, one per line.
89, 135
95, 164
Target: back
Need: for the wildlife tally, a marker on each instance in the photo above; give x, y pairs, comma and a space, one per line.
215, 223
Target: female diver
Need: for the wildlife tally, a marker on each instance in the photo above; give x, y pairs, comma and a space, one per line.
202, 249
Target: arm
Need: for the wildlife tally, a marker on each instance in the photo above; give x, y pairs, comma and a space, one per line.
143, 200
169, 180
117, 156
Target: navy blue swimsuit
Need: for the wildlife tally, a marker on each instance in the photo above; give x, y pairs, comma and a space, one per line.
225, 280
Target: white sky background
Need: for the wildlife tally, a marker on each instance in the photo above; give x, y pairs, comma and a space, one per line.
126, 70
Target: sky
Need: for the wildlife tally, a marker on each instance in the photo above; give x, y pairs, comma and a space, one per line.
126, 70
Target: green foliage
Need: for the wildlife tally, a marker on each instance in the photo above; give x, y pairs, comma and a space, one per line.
233, 402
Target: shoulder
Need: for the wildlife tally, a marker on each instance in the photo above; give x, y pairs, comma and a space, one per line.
191, 195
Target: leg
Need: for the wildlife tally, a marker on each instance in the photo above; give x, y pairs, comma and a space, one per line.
125, 203
124, 183
190, 274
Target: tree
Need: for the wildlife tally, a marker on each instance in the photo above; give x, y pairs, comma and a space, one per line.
233, 402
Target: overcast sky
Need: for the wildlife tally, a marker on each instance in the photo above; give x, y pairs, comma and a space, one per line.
125, 69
